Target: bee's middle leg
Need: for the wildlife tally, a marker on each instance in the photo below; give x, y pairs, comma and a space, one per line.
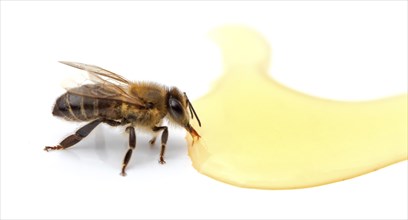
132, 145
164, 137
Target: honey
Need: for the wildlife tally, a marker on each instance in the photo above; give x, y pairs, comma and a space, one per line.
258, 133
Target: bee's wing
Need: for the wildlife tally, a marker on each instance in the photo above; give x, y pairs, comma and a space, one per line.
108, 85
107, 91
98, 74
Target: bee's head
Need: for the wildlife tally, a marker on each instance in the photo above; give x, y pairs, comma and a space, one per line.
178, 104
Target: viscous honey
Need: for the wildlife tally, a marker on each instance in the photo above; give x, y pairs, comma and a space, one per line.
258, 133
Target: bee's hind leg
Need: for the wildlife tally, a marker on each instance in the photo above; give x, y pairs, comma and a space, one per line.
132, 145
114, 123
77, 137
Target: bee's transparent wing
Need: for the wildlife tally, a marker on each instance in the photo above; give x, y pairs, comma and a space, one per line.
101, 91
75, 81
107, 85
98, 74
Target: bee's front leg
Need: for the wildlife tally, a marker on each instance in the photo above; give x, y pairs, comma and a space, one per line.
164, 137
153, 140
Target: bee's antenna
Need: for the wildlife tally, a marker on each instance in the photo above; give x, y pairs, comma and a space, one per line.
192, 111
191, 108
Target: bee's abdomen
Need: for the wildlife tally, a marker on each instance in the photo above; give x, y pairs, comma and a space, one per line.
74, 107
81, 108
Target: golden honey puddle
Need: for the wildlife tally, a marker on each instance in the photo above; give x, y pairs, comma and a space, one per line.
258, 133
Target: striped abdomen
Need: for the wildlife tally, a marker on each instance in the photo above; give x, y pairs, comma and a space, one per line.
81, 108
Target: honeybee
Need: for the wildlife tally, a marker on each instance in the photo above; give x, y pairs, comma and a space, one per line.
116, 101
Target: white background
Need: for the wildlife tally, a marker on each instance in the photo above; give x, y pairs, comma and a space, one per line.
340, 50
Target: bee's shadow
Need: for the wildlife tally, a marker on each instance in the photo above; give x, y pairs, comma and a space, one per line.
110, 146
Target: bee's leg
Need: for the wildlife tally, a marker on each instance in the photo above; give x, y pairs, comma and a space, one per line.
132, 145
77, 137
164, 137
153, 140
112, 123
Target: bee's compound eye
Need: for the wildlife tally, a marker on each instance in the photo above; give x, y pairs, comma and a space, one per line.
175, 107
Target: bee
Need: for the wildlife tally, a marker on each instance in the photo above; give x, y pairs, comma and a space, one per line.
116, 101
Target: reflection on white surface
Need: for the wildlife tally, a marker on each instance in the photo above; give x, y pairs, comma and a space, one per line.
165, 42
